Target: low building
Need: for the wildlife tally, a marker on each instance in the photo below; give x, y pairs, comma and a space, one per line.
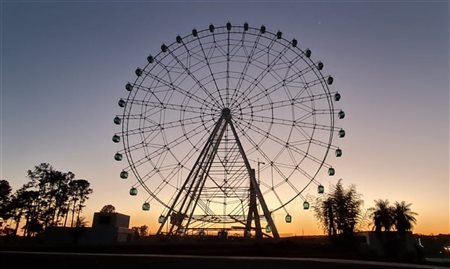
390, 244
107, 228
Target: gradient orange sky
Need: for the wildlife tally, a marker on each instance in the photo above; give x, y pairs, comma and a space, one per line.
64, 65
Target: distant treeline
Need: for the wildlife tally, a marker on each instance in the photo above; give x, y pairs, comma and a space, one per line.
50, 198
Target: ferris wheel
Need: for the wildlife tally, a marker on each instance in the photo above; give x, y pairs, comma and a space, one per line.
226, 125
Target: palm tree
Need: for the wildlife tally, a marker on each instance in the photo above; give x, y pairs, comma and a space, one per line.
347, 208
382, 215
404, 219
340, 211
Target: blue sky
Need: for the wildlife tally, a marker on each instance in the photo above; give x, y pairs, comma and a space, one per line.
64, 66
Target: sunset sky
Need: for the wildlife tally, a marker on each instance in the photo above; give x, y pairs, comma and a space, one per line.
64, 65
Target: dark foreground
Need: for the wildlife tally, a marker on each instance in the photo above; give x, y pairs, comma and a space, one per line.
234, 253
20, 259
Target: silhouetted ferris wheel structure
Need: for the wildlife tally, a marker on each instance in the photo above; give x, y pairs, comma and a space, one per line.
209, 108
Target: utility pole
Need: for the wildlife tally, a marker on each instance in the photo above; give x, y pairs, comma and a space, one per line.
263, 163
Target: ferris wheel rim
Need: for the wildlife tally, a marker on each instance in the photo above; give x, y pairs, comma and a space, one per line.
138, 82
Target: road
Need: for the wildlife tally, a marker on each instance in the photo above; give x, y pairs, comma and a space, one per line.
49, 260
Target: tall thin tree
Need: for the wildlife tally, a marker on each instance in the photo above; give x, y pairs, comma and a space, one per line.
79, 191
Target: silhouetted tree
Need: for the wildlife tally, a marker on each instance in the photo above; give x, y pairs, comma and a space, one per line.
81, 222
324, 212
382, 216
79, 193
385, 216
33, 227
47, 198
61, 196
17, 208
140, 230
5, 199
403, 216
52, 188
108, 209
340, 210
30, 205
400, 216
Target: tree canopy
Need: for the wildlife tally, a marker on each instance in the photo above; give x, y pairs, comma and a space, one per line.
45, 200
108, 209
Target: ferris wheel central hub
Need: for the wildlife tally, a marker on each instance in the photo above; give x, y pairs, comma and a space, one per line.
226, 113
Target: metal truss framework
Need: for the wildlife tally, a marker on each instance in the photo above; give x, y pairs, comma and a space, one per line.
186, 201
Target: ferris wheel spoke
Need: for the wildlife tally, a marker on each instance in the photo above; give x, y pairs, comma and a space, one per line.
182, 163
283, 103
290, 184
211, 103
280, 142
157, 171
280, 153
157, 126
161, 148
151, 115
326, 111
211, 72
167, 106
246, 66
180, 90
292, 168
238, 46
322, 144
227, 86
289, 136
308, 156
277, 85
193, 77
293, 159
293, 63
278, 197
284, 122
252, 142
264, 119
163, 184
305, 134
263, 73
269, 188
298, 168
